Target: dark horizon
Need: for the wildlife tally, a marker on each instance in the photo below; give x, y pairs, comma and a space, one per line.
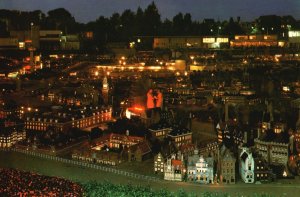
86, 11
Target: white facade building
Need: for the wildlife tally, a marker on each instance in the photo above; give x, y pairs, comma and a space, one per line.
246, 165
201, 171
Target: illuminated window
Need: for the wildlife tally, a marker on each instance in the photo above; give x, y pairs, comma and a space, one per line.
89, 34
208, 40
222, 40
294, 34
21, 45
252, 37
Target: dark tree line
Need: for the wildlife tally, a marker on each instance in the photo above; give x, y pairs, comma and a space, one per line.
123, 27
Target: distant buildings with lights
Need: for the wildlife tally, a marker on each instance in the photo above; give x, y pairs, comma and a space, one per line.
40, 39
54, 40
176, 42
221, 42
63, 119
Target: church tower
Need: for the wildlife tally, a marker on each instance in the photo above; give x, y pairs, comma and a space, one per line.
105, 89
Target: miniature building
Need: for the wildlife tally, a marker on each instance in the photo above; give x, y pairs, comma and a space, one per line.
272, 152
160, 130
175, 42
180, 136
254, 41
66, 119
261, 170
227, 166
246, 161
158, 163
187, 150
209, 147
107, 158
114, 141
174, 169
6, 111
201, 170
10, 136
192, 160
139, 152
230, 134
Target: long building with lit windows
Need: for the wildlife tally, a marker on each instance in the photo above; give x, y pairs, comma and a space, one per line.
255, 41
64, 119
219, 42
177, 42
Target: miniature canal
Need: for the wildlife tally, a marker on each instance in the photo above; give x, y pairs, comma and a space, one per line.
81, 174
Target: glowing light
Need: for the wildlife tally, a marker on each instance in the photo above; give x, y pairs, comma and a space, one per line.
138, 108
284, 174
96, 73
131, 44
286, 88
171, 68
21, 45
154, 67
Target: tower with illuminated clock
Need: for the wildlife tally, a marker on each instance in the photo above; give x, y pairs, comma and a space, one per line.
105, 88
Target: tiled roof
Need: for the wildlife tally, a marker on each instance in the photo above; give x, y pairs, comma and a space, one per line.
159, 125
143, 147
179, 131
176, 162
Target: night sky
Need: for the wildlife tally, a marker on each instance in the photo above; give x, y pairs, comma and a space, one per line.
88, 10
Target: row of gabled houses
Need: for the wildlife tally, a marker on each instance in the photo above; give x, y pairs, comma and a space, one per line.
221, 169
192, 167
